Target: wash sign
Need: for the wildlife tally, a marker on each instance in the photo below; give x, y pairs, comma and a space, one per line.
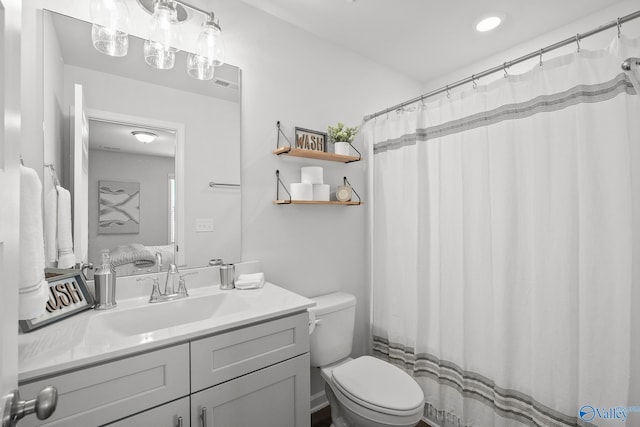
310, 140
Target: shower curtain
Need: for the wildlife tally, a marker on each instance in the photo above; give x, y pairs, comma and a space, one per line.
505, 255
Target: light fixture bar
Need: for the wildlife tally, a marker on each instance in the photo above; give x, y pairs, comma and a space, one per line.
192, 7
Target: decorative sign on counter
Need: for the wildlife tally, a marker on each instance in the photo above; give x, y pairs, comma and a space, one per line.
310, 140
68, 295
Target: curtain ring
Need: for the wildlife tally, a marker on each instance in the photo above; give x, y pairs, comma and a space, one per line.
473, 80
422, 101
448, 93
619, 24
541, 57
506, 74
578, 42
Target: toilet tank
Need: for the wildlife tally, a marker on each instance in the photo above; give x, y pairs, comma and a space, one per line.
332, 337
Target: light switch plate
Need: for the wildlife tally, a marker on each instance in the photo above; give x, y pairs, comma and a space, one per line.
204, 225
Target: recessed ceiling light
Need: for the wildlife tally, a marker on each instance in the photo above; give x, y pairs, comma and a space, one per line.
144, 136
489, 22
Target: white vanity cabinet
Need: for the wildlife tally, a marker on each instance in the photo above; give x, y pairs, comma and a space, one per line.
255, 375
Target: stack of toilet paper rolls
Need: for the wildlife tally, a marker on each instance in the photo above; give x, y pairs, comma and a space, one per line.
311, 187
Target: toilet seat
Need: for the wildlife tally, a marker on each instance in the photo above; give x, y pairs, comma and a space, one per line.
378, 386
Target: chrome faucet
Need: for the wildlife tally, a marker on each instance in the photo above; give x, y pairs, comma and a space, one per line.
174, 279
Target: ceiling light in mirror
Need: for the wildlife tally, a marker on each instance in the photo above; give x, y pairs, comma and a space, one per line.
144, 136
159, 50
110, 18
489, 22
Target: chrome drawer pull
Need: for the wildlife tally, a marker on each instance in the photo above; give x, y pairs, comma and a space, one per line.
204, 417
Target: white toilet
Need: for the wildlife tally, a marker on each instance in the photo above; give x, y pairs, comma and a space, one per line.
363, 392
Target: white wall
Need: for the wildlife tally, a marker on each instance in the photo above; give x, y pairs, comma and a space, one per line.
152, 172
292, 76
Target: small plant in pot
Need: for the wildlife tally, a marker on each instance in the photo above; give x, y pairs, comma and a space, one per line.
342, 137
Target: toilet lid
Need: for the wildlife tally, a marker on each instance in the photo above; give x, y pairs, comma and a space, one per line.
378, 385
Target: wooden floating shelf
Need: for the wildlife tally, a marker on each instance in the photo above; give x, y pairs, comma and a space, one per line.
319, 155
315, 202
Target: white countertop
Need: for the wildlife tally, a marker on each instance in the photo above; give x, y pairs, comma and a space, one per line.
82, 339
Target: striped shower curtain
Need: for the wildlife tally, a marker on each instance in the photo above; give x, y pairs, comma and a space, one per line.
506, 246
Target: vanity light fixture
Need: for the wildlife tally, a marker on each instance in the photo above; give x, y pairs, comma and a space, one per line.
110, 20
144, 136
209, 51
159, 48
489, 22
111, 17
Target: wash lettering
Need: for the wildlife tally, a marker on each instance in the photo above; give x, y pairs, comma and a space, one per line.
63, 295
306, 140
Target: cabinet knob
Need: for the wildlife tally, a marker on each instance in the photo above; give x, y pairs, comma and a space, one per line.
43, 406
203, 415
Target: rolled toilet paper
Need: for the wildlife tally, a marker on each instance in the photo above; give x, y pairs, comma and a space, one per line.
301, 191
311, 175
321, 192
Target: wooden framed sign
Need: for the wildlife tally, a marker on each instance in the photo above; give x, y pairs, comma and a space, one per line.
68, 295
310, 140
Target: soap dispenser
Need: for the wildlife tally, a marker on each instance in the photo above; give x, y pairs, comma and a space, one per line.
105, 284
173, 278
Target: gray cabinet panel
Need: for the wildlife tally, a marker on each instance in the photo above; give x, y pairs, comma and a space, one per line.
277, 396
219, 358
99, 394
162, 416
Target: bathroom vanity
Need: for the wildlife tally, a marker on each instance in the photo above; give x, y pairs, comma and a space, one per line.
216, 358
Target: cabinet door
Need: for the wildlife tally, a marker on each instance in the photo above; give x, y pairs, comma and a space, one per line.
277, 396
104, 393
173, 414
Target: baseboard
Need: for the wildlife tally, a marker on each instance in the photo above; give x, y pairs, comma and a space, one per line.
318, 401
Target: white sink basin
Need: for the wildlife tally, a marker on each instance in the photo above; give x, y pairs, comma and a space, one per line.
169, 314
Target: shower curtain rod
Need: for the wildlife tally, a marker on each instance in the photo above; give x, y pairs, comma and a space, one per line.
576, 39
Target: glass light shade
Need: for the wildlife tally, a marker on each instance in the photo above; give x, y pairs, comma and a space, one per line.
202, 63
200, 67
159, 49
110, 25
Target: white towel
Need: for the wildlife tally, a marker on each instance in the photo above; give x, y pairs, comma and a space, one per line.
66, 257
33, 291
51, 227
250, 281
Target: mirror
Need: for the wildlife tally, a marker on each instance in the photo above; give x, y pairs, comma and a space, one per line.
145, 202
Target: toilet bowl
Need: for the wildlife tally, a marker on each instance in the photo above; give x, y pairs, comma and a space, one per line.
362, 392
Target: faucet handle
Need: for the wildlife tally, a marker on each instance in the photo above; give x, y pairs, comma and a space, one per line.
155, 292
182, 287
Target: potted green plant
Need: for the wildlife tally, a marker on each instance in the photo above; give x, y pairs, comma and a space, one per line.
341, 137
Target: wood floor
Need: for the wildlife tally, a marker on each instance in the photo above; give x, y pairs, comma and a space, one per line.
322, 418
